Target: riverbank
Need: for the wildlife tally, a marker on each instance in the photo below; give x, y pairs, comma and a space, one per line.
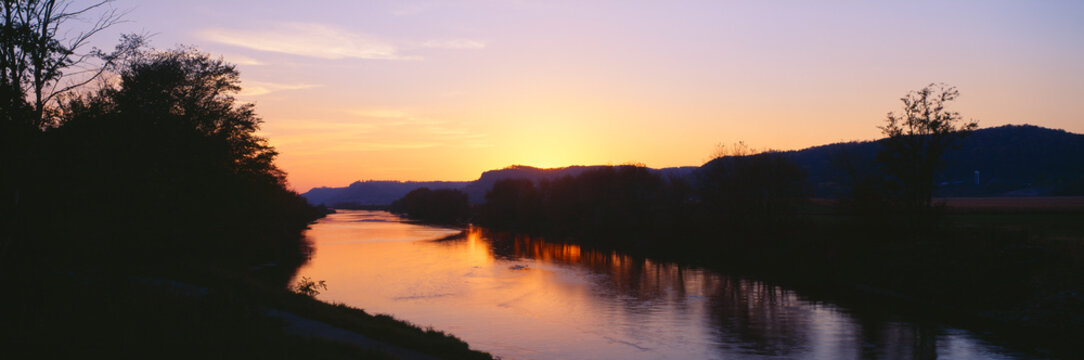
198, 312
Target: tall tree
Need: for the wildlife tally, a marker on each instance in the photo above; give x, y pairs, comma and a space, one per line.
170, 135
185, 92
40, 59
917, 139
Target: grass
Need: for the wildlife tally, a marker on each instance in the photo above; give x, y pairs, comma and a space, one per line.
384, 328
66, 316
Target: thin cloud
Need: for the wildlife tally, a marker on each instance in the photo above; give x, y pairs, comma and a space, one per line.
257, 88
307, 39
404, 117
244, 60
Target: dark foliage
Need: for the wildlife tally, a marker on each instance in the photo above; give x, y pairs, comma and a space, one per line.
159, 174
163, 168
446, 206
604, 203
752, 190
512, 204
596, 205
623, 200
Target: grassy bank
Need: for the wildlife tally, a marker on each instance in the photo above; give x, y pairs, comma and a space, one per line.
188, 313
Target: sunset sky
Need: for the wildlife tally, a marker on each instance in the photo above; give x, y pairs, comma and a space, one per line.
435, 90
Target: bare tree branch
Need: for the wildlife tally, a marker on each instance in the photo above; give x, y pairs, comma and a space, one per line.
36, 51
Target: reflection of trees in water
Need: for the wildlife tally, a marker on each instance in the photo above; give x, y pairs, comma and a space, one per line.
758, 318
750, 317
635, 281
880, 338
285, 275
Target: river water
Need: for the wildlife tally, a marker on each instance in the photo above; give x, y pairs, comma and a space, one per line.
526, 298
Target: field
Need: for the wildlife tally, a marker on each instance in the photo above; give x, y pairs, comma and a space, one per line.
1013, 204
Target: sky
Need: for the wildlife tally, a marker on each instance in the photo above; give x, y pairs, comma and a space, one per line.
444, 90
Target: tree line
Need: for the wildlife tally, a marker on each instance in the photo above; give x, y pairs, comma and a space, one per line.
608, 203
739, 190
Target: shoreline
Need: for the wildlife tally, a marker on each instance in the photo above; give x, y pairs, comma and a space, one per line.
195, 311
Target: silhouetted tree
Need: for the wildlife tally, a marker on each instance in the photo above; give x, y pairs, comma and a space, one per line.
512, 204
917, 139
38, 52
165, 166
610, 200
188, 92
751, 189
441, 206
602, 204
41, 59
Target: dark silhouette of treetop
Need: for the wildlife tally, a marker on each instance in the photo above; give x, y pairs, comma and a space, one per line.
917, 139
196, 91
181, 104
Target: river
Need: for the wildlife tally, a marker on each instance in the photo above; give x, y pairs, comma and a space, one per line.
526, 298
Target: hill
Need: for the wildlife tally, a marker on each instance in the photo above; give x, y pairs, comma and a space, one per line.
376, 193
372, 192
1010, 160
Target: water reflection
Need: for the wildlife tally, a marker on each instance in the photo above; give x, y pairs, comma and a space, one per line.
749, 317
524, 297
